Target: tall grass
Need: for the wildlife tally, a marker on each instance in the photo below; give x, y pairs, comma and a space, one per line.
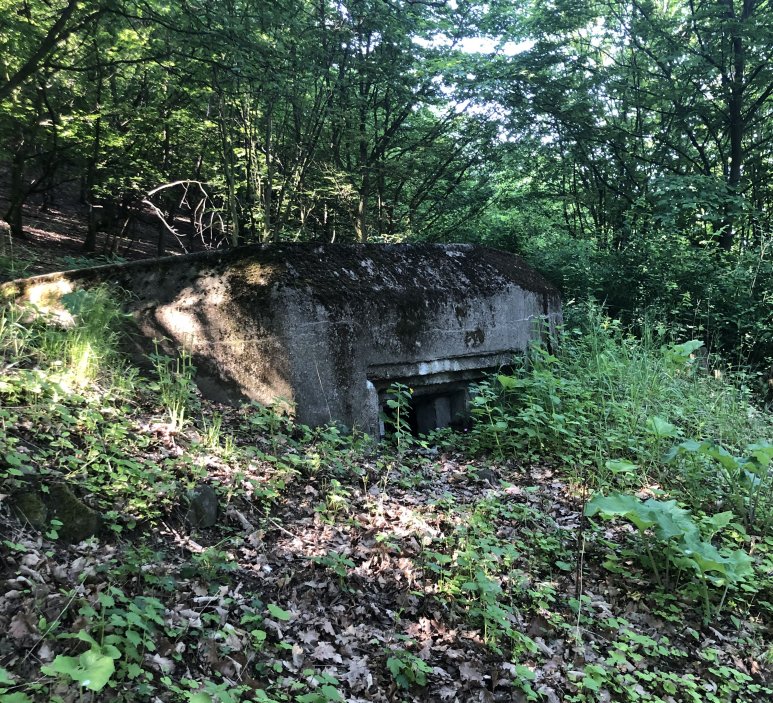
16, 336
175, 386
610, 404
79, 344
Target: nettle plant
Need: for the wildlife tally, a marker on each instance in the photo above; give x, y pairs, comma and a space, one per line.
669, 532
407, 669
399, 402
746, 481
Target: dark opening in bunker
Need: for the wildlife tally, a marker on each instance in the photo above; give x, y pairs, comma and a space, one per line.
439, 394
430, 408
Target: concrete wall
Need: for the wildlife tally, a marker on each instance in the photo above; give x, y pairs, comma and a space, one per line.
328, 328
336, 352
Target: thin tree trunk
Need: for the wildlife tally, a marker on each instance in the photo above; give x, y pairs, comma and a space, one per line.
230, 178
90, 243
14, 215
268, 191
735, 129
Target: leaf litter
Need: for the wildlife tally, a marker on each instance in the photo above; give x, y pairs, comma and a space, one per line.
320, 569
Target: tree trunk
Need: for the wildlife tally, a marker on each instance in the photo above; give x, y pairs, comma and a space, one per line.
227, 160
361, 220
268, 191
361, 217
735, 128
17, 196
90, 243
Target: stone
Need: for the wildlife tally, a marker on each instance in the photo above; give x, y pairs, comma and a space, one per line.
488, 476
328, 328
39, 508
201, 504
79, 521
31, 507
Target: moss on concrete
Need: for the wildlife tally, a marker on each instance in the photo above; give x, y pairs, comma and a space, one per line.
30, 506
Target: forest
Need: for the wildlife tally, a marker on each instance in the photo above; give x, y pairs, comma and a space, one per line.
624, 148
602, 527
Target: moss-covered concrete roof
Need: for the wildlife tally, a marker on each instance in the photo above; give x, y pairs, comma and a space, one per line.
338, 271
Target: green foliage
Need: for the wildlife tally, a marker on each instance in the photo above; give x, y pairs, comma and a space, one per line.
744, 481
82, 262
724, 301
399, 402
90, 344
407, 669
175, 386
211, 564
279, 613
13, 266
275, 420
92, 669
77, 345
338, 564
99, 119
482, 571
606, 396
325, 691
679, 541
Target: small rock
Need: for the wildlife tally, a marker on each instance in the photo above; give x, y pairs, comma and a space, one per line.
79, 521
31, 508
488, 476
202, 506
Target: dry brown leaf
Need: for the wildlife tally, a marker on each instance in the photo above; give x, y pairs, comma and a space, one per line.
325, 651
447, 693
159, 663
549, 693
469, 673
22, 626
358, 673
298, 655
45, 653
327, 626
308, 636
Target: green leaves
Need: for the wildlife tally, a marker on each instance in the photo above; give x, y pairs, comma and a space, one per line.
747, 479
661, 428
199, 697
678, 355
324, 694
667, 519
278, 612
674, 529
620, 505
407, 669
92, 669
399, 404
620, 466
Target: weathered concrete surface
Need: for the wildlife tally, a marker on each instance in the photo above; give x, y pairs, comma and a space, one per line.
328, 328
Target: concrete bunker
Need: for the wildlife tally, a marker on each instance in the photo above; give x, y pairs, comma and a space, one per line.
328, 328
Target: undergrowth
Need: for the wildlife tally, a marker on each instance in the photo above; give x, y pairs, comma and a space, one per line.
611, 406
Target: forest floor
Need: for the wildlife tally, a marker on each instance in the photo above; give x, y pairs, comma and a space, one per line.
337, 569
341, 570
55, 230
